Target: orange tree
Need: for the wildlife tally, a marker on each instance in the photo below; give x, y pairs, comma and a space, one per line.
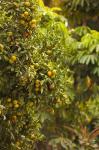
40, 79
32, 70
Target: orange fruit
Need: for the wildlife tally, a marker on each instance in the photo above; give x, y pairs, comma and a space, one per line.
13, 58
16, 106
33, 21
37, 81
26, 13
54, 72
33, 25
49, 52
50, 73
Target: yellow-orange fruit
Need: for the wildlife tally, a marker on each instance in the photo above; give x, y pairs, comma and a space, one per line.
50, 73
13, 58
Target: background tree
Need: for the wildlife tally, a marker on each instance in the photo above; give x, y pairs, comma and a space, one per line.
79, 12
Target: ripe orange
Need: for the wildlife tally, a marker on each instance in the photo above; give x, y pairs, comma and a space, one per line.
50, 73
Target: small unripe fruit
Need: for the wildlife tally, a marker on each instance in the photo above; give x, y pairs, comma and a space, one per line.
17, 143
15, 102
49, 52
22, 15
22, 22
9, 100
33, 25
26, 13
16, 106
33, 21
13, 58
37, 81
27, 4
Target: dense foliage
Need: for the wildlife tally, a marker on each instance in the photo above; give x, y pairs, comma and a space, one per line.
78, 12
48, 80
82, 12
